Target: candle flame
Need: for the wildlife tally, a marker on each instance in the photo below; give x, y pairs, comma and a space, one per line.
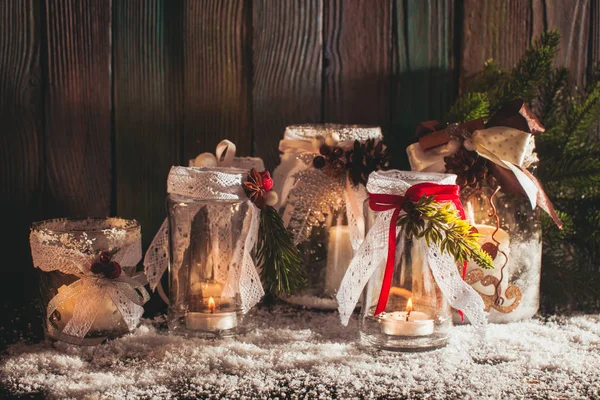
409, 306
211, 304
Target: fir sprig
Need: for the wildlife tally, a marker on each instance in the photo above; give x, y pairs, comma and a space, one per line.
442, 226
282, 270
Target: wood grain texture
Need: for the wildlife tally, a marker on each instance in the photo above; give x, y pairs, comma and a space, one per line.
287, 59
216, 70
572, 19
148, 106
425, 78
77, 108
496, 29
21, 145
358, 61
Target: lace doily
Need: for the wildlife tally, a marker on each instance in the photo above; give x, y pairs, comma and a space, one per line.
373, 251
345, 132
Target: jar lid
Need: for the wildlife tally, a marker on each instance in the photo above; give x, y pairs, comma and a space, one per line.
214, 183
397, 182
345, 132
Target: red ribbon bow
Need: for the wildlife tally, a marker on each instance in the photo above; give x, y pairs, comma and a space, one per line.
385, 202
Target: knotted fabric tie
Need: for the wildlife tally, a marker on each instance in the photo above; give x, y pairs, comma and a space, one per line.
386, 202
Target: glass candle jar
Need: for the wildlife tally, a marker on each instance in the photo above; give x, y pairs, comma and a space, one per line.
322, 210
88, 282
207, 244
202, 241
408, 285
513, 232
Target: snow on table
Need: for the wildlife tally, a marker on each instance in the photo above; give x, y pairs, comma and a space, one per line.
303, 354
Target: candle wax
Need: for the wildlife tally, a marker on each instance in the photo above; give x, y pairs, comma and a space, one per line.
210, 322
339, 255
395, 323
502, 236
108, 318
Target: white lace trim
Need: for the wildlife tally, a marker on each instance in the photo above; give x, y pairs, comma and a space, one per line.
373, 251
54, 247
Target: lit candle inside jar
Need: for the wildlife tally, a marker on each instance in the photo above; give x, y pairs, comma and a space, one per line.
210, 318
406, 323
499, 252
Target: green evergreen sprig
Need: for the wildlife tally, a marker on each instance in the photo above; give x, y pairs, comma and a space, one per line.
442, 226
282, 270
569, 168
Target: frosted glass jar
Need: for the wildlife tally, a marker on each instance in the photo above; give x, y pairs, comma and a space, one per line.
323, 211
203, 234
511, 290
88, 282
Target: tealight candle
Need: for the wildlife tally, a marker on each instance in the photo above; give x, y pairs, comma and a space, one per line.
210, 321
406, 323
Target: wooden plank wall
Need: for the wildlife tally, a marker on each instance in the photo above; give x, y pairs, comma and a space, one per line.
98, 98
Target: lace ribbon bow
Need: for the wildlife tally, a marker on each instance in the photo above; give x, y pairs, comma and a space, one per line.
91, 290
233, 262
371, 253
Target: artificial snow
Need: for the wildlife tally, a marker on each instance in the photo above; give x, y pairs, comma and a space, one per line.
302, 354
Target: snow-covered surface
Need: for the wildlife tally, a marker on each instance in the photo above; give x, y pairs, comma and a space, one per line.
307, 354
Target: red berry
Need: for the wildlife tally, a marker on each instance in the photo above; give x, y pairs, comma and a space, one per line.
112, 270
267, 182
97, 267
105, 256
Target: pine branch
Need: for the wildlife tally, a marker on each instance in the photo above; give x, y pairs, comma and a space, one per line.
530, 73
571, 171
552, 100
487, 79
583, 117
469, 107
282, 266
442, 226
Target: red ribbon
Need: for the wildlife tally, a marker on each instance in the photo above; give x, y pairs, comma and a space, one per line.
385, 202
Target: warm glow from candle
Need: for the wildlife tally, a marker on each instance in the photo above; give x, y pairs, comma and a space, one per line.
211, 304
409, 305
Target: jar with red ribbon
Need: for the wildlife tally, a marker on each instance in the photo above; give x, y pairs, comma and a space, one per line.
408, 269
495, 162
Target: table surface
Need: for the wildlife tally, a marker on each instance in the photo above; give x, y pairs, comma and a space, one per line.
302, 354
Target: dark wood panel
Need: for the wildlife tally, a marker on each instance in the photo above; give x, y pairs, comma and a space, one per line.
572, 19
148, 106
358, 61
217, 67
78, 101
21, 145
287, 54
497, 29
425, 77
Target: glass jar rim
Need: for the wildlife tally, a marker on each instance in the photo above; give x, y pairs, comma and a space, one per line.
96, 224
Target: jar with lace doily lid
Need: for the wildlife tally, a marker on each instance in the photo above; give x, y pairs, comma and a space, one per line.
321, 187
219, 211
406, 268
89, 286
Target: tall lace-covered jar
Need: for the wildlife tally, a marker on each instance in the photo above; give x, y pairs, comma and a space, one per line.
512, 231
408, 286
88, 281
207, 243
320, 183
494, 160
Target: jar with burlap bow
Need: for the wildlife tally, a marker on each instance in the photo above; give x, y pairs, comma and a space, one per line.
320, 183
495, 161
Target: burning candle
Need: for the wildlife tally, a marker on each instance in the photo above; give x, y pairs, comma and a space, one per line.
211, 319
339, 255
406, 323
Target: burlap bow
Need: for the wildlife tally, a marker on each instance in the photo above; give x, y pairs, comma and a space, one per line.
507, 141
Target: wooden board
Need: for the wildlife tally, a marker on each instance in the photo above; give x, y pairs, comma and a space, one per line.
358, 62
287, 68
148, 106
21, 146
216, 70
425, 77
77, 108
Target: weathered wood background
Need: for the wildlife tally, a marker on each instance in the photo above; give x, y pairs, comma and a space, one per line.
98, 98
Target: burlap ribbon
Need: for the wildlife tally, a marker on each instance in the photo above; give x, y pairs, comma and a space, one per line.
507, 141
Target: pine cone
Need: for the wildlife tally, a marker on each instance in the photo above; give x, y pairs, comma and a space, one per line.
366, 158
471, 169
